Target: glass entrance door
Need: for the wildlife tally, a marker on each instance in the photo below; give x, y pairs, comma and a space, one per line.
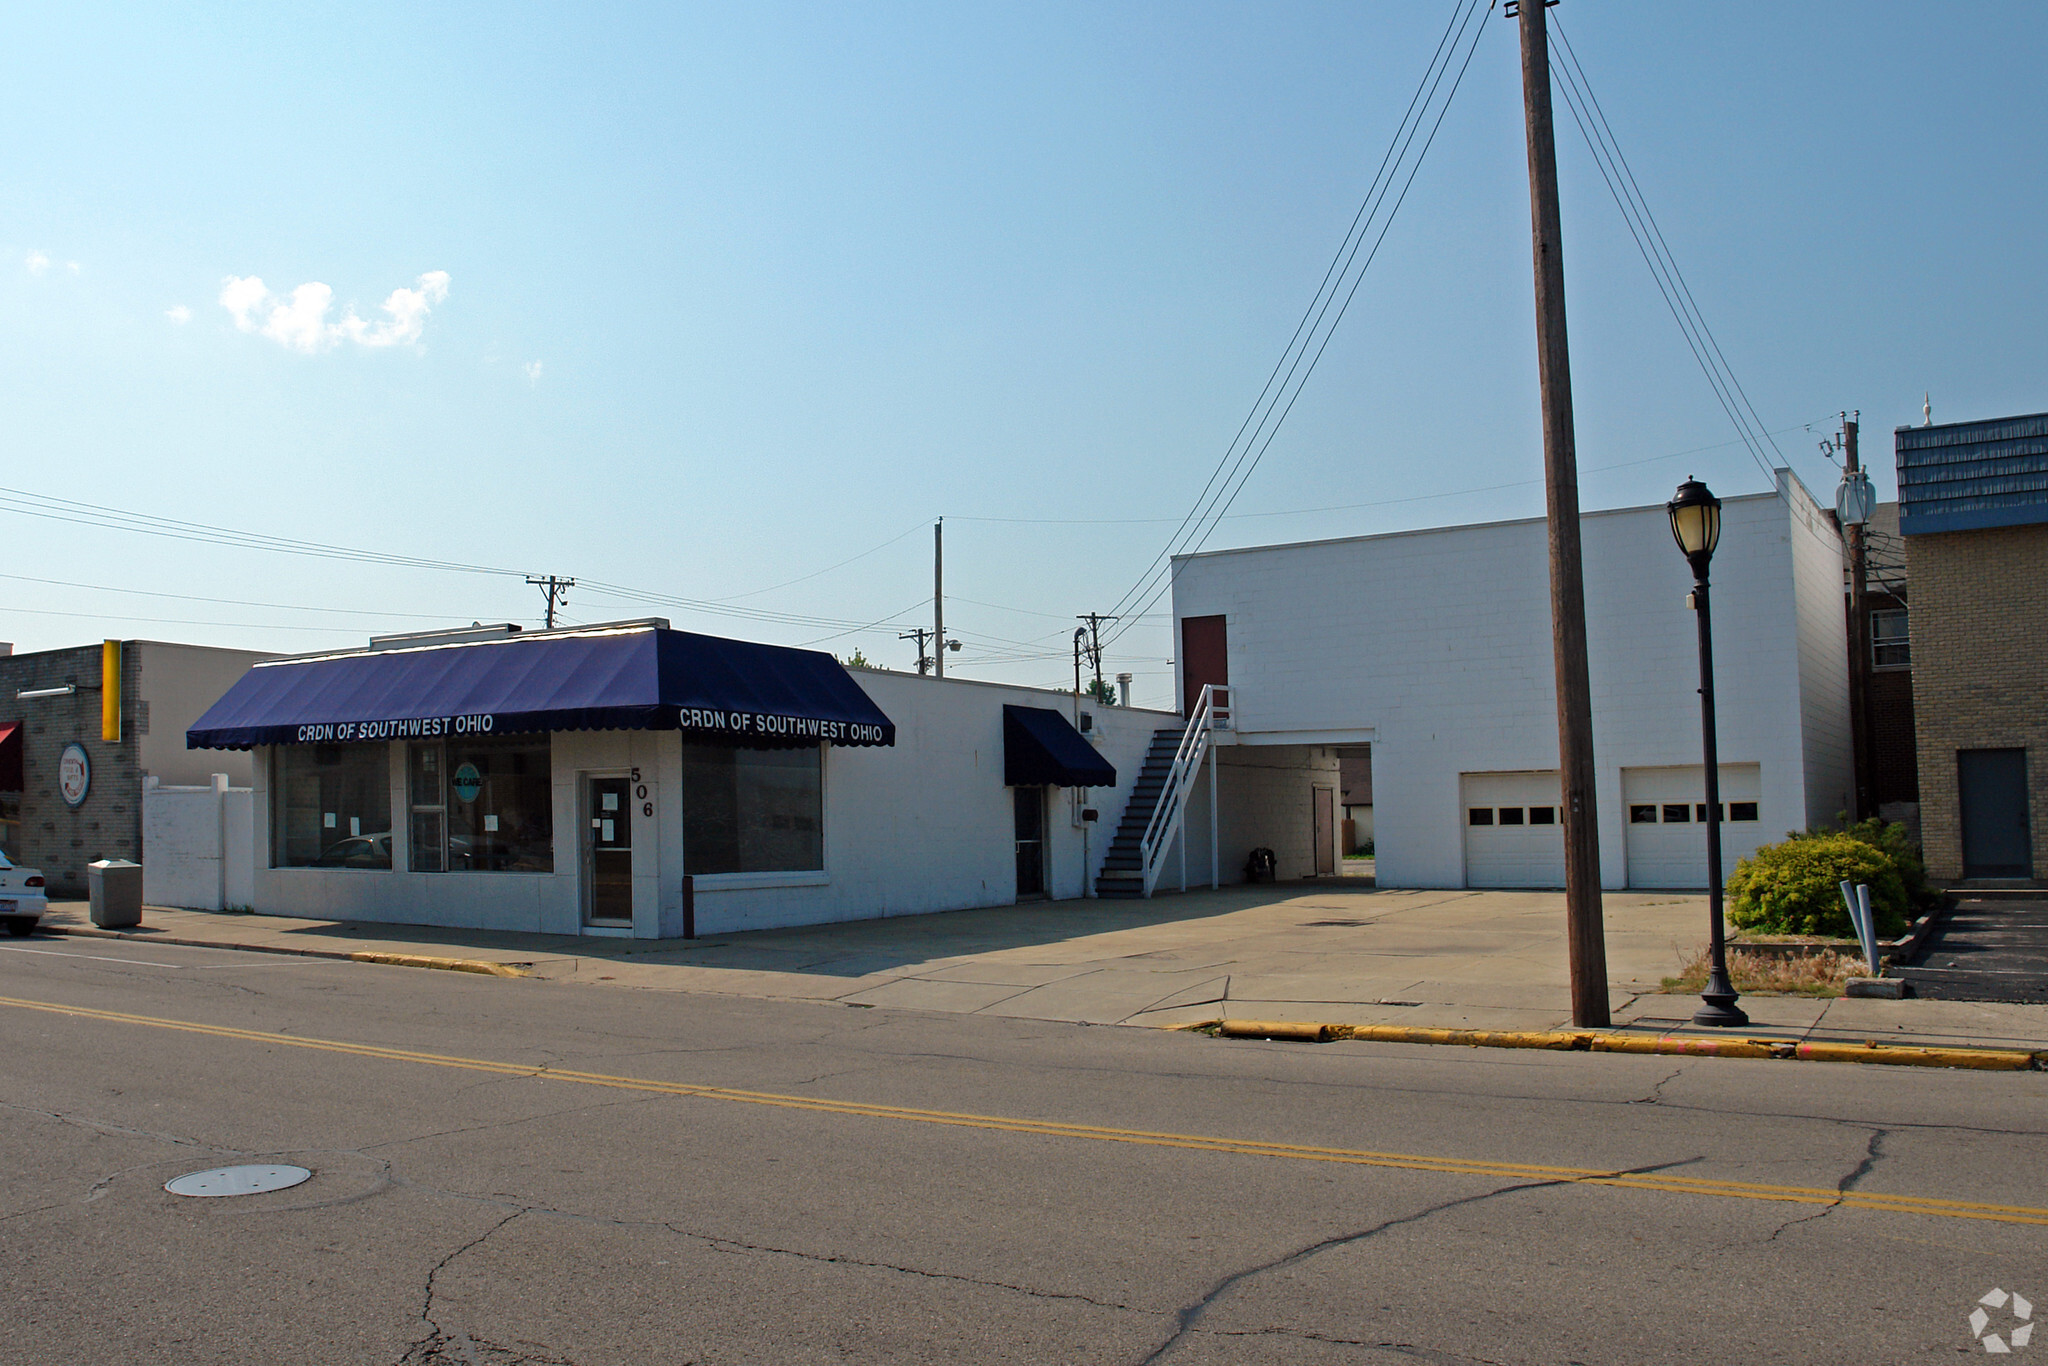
1030, 841
607, 851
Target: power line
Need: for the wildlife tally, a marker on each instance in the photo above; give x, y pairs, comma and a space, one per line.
1311, 317
225, 602
1248, 461
1656, 253
1353, 507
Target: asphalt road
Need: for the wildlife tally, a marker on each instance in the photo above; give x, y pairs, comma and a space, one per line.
526, 1172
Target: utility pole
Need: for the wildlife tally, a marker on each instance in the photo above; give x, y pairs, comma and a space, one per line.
1585, 934
939, 595
920, 635
1080, 648
1859, 634
939, 642
557, 591
1095, 620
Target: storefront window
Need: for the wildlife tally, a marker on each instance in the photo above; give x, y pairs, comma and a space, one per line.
482, 806
334, 806
10, 823
753, 810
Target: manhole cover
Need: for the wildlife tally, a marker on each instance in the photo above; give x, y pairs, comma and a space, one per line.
253, 1179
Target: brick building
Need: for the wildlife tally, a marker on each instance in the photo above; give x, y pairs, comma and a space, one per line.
51, 700
1894, 782
1974, 515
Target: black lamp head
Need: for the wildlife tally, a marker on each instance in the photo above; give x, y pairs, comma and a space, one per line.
1695, 523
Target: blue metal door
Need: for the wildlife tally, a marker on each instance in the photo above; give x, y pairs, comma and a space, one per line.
1993, 786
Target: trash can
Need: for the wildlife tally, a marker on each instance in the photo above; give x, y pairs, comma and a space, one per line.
115, 886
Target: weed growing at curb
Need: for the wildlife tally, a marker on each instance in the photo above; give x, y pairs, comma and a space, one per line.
1767, 974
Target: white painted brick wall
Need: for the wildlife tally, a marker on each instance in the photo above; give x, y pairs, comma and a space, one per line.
1438, 642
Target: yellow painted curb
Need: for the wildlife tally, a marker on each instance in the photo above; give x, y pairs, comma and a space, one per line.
1594, 1041
415, 960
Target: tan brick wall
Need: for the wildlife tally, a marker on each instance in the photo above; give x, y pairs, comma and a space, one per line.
1980, 671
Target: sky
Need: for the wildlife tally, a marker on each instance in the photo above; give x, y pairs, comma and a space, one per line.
726, 305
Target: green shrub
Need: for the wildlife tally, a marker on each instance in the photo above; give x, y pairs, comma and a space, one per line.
1795, 887
1891, 838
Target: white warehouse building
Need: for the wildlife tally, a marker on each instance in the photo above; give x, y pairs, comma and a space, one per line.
1433, 648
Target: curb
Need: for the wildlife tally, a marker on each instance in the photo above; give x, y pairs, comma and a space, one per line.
482, 966
1582, 1041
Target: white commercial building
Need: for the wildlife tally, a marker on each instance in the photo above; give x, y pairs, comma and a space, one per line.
1434, 648
629, 779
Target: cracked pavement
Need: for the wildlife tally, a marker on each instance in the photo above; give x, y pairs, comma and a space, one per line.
529, 1219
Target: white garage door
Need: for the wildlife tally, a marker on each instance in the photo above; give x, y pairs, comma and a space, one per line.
1666, 808
1513, 837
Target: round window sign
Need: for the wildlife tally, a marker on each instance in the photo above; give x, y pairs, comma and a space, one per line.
74, 774
468, 782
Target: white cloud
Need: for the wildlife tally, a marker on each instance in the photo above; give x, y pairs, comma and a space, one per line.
299, 322
37, 262
73, 267
532, 369
179, 314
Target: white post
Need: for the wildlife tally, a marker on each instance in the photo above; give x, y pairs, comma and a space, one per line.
220, 841
1087, 856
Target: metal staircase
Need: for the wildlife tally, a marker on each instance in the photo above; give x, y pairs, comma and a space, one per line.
1158, 802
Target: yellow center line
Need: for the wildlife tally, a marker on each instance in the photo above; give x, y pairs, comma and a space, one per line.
1511, 1171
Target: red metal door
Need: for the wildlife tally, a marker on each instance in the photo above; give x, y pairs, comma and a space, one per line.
1204, 658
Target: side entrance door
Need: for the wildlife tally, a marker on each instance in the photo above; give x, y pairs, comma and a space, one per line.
1030, 803
607, 851
1993, 786
1204, 658
1326, 832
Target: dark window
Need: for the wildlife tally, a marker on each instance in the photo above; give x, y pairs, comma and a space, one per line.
1642, 815
1511, 815
1699, 813
1742, 811
1890, 645
333, 806
482, 806
1543, 815
753, 810
1676, 813
1479, 815
1029, 804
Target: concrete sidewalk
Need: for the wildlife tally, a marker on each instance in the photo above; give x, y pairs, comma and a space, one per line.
1337, 951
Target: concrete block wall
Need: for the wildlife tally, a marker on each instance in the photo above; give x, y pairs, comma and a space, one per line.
59, 839
1266, 796
1980, 672
196, 846
1435, 645
1827, 743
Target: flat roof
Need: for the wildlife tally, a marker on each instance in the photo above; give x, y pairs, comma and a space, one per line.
1657, 508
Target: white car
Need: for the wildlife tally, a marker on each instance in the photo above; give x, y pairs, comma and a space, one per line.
22, 901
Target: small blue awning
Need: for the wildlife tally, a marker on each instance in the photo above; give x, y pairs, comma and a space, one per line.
1040, 749
640, 677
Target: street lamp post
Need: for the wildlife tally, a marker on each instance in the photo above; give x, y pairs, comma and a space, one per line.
1696, 525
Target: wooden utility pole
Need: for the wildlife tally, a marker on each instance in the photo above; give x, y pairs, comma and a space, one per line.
557, 591
939, 598
1585, 933
1859, 641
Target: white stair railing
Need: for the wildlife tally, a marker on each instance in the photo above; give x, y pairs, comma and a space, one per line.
1211, 713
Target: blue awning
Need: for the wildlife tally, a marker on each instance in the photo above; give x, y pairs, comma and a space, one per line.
610, 678
1040, 749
